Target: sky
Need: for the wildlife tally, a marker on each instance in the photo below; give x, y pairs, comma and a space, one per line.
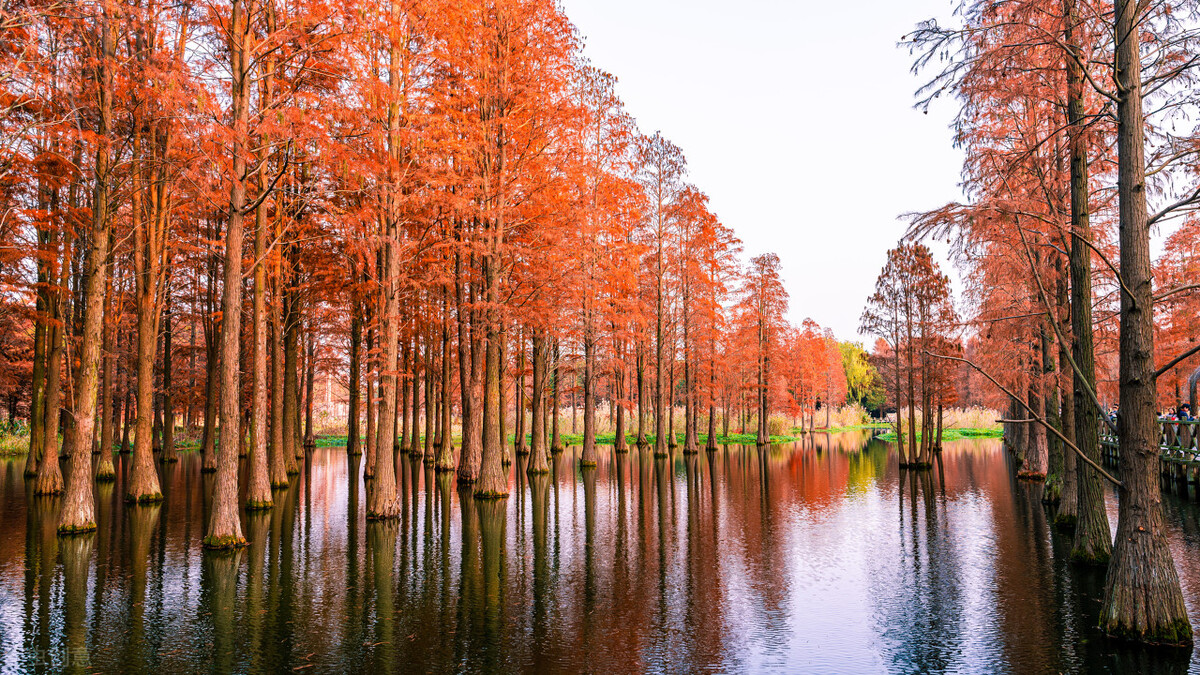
797, 120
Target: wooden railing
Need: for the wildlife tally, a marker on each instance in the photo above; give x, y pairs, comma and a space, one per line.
1179, 458
1174, 438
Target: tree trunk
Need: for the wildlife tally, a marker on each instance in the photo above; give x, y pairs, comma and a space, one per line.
49, 479
1036, 453
310, 439
690, 442
292, 449
109, 407
556, 444
143, 477
519, 416
126, 410
445, 460
1092, 543
468, 353
1142, 597
505, 455
208, 441
588, 456
428, 449
382, 503
372, 405
354, 414
407, 360
258, 488
761, 394
493, 480
37, 403
78, 513
619, 443
224, 524
641, 402
537, 443
169, 453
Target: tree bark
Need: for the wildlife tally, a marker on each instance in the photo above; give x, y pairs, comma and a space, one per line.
372, 404
49, 479
78, 513
445, 460
519, 410
310, 439
556, 444
588, 456
354, 414
258, 488
109, 406
1092, 543
224, 524
538, 455
1142, 597
212, 392
493, 480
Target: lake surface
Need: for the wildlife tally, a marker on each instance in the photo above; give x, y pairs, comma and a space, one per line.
819, 556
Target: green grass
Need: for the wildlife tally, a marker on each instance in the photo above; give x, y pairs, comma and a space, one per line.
954, 434
854, 427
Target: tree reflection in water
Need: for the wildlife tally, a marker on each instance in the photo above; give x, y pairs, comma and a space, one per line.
820, 555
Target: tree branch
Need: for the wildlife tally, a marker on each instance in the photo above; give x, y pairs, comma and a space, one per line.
1037, 418
1175, 361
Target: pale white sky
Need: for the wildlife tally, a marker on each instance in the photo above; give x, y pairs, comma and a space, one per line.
796, 118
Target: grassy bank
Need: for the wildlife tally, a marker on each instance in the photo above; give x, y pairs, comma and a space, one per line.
18, 444
955, 434
13, 443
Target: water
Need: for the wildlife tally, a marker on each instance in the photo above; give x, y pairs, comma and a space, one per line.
813, 557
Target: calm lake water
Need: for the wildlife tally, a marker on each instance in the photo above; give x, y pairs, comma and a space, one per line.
819, 556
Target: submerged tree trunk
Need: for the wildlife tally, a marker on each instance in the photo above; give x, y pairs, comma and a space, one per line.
505, 455
538, 455
280, 463
109, 409
556, 444
224, 524
37, 404
619, 442
258, 488
445, 460
310, 439
372, 406
468, 353
292, 450
519, 411
428, 444
588, 456
641, 403
208, 440
49, 479
408, 361
169, 453
78, 513
1142, 597
143, 478
1036, 454
126, 411
354, 414
382, 502
493, 480
1092, 542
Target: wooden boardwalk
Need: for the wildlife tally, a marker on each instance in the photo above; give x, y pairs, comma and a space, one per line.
1179, 457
